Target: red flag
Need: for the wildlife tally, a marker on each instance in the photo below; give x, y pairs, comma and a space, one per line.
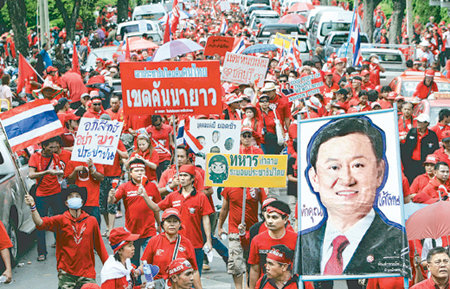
127, 51
176, 16
167, 31
75, 61
25, 72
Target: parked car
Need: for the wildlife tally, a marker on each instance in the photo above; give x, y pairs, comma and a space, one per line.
268, 30
14, 182
335, 40
152, 12
254, 8
263, 17
392, 60
142, 26
433, 106
248, 3
312, 14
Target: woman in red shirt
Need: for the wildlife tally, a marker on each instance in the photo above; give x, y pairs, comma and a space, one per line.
148, 154
253, 121
116, 273
160, 249
268, 117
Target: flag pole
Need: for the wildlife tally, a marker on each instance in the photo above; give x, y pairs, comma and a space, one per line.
244, 198
34, 69
13, 156
175, 133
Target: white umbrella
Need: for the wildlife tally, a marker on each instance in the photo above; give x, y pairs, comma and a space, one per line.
175, 48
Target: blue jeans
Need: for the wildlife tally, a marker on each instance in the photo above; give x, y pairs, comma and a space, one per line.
138, 244
199, 259
93, 211
43, 204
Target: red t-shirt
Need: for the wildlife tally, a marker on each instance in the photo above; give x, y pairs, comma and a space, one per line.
428, 284
139, 218
115, 115
154, 158
115, 169
423, 91
262, 243
168, 175
49, 185
5, 242
136, 121
385, 283
72, 81
159, 251
65, 156
270, 284
161, 140
192, 209
234, 197
76, 240
419, 183
442, 155
85, 180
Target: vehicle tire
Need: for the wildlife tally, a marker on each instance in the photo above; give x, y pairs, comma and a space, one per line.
14, 236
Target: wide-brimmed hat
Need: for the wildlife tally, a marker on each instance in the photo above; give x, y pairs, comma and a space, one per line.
74, 189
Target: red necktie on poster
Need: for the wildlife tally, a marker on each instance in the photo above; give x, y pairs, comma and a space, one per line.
335, 265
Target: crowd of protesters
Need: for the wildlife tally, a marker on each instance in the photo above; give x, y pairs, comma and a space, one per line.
146, 179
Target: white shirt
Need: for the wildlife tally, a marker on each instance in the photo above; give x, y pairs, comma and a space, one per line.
354, 235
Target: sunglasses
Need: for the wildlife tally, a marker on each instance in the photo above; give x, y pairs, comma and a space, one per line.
246, 135
263, 101
281, 81
97, 104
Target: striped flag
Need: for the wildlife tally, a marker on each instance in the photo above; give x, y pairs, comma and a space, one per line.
185, 137
30, 124
355, 39
223, 26
239, 47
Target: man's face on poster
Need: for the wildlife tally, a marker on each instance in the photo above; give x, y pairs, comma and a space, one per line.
347, 175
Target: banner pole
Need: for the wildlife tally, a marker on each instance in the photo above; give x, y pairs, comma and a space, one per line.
175, 133
13, 156
244, 197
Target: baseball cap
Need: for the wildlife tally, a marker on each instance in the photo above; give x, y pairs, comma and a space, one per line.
178, 266
246, 130
429, 73
169, 213
423, 117
232, 98
119, 237
431, 159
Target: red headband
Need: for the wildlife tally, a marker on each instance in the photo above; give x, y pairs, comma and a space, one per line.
137, 165
278, 256
271, 209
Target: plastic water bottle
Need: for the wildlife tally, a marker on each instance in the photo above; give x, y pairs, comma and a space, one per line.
148, 275
2, 279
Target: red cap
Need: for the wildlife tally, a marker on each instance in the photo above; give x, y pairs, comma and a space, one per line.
51, 69
339, 60
96, 100
429, 73
328, 72
365, 72
232, 98
190, 169
119, 237
94, 93
246, 129
170, 212
178, 266
431, 159
99, 59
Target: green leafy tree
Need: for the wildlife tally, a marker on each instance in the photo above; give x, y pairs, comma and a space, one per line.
398, 13
17, 11
122, 10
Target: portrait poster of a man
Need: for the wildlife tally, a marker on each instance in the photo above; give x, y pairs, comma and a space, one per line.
350, 197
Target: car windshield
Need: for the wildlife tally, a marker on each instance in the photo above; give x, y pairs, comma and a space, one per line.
409, 87
267, 31
384, 57
129, 29
152, 16
339, 39
328, 27
264, 21
251, 2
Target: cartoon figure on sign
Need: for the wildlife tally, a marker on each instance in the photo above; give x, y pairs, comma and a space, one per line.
218, 169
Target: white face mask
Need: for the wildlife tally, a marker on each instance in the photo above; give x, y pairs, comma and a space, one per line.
75, 203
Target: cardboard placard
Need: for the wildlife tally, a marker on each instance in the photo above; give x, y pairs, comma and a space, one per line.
241, 170
307, 86
218, 45
244, 69
97, 139
181, 87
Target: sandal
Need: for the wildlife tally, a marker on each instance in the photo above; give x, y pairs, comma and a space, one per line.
106, 234
41, 258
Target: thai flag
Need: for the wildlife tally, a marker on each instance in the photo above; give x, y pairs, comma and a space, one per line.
31, 123
180, 135
185, 137
223, 26
355, 40
239, 47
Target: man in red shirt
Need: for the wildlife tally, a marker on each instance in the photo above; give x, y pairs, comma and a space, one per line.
246, 143
194, 208
5, 244
406, 121
162, 138
427, 86
437, 188
329, 84
278, 269
181, 274
96, 109
139, 219
443, 154
232, 206
366, 84
422, 180
277, 216
77, 236
278, 102
88, 175
72, 82
233, 104
115, 111
438, 261
339, 69
46, 169
443, 123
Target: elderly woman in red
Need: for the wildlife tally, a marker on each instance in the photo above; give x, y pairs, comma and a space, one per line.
427, 86
147, 153
118, 272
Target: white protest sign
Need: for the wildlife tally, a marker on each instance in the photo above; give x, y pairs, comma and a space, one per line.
306, 86
244, 69
97, 139
224, 6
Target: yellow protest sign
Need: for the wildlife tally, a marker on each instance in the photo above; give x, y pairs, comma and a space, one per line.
251, 171
283, 40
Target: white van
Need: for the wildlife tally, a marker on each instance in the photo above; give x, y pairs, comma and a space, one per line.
152, 12
328, 21
312, 14
141, 26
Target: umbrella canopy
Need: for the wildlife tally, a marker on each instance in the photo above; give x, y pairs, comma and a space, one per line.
429, 222
175, 48
139, 44
301, 6
260, 48
293, 19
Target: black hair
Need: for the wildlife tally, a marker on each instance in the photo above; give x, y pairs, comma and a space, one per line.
155, 118
349, 70
409, 63
439, 164
117, 257
386, 89
136, 161
372, 95
346, 126
308, 63
435, 251
363, 92
443, 113
285, 250
50, 140
183, 148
